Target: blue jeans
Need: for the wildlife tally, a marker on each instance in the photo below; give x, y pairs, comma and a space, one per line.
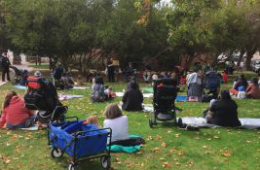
30, 120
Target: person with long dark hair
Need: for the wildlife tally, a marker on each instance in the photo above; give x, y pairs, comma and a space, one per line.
223, 112
15, 114
253, 91
133, 98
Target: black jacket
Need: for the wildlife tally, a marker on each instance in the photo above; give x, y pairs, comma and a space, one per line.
225, 113
132, 100
5, 63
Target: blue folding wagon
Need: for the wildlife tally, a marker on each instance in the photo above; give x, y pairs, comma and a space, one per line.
81, 142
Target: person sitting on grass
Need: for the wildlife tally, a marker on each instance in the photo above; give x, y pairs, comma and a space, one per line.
223, 112
252, 90
118, 122
133, 98
98, 94
15, 114
108, 92
242, 81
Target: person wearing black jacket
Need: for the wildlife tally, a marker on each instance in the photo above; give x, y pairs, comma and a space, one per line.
223, 112
133, 98
5, 67
111, 71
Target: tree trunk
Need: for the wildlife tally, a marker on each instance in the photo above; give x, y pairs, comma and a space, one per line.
240, 57
248, 59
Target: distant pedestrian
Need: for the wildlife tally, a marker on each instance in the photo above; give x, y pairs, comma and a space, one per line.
5, 66
111, 71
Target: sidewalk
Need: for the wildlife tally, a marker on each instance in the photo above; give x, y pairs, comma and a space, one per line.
24, 66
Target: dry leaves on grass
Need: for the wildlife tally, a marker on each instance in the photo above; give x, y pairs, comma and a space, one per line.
226, 153
5, 160
177, 135
164, 145
166, 165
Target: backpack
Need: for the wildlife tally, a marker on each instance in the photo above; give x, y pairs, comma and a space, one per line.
5, 62
212, 81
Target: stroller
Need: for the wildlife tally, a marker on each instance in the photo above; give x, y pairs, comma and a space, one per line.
42, 96
20, 75
212, 84
165, 93
80, 141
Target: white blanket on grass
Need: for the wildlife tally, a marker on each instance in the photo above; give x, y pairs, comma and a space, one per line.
146, 95
247, 123
68, 96
33, 128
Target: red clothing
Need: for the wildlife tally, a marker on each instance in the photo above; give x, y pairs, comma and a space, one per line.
16, 113
253, 91
225, 77
183, 80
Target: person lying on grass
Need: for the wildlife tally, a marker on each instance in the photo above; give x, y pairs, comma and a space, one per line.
223, 112
133, 98
15, 114
253, 91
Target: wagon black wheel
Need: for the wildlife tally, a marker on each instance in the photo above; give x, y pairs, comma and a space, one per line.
56, 153
151, 123
105, 162
72, 166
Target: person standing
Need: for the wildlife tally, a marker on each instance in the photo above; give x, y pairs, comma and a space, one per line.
195, 85
5, 67
111, 71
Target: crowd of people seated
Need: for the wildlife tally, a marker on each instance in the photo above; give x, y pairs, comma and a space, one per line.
223, 110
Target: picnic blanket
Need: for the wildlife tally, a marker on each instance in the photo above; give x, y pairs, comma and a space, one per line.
20, 87
68, 96
79, 88
179, 98
126, 149
147, 95
247, 123
33, 128
148, 89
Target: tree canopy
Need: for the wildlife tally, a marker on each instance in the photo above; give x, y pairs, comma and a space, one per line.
76, 32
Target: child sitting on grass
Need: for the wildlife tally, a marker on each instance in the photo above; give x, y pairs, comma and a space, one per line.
92, 120
109, 92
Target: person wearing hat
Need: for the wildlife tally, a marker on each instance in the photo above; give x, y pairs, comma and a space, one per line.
37, 74
5, 66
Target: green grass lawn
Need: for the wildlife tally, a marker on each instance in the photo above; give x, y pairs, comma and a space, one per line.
166, 146
41, 67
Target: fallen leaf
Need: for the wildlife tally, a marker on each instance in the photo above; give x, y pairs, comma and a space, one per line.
181, 153
226, 153
159, 137
155, 150
166, 165
164, 145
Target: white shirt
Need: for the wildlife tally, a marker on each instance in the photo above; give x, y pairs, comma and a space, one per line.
119, 127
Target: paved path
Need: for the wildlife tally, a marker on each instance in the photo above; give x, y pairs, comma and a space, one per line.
24, 66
